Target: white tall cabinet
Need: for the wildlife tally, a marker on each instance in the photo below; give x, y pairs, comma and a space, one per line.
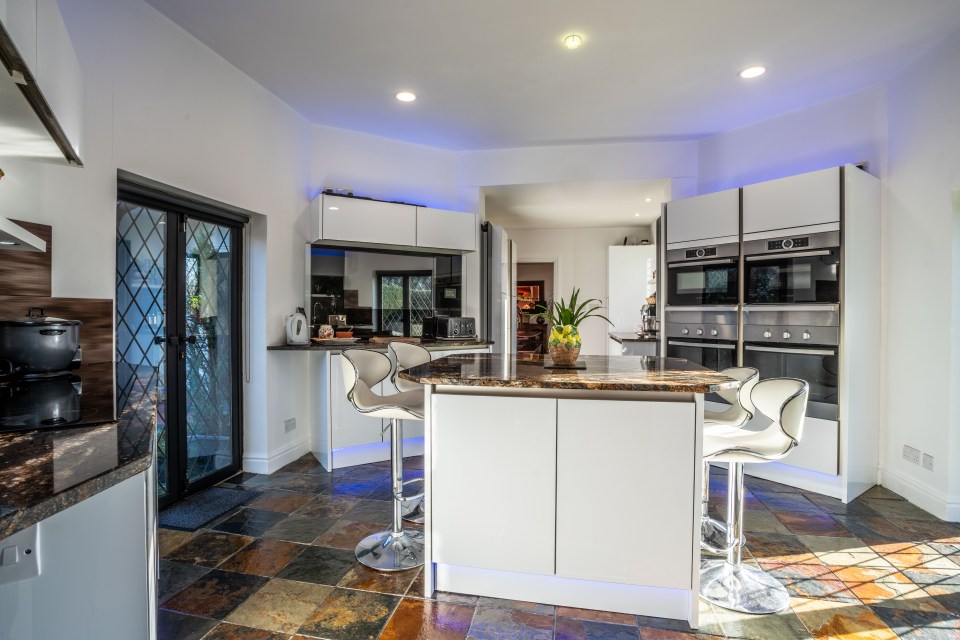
630, 279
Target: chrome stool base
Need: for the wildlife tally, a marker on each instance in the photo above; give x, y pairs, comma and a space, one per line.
741, 588
713, 537
414, 511
389, 551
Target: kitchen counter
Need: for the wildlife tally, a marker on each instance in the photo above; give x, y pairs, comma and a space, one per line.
629, 336
428, 344
46, 471
608, 373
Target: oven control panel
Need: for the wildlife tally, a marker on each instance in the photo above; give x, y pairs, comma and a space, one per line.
701, 331
704, 252
791, 334
788, 243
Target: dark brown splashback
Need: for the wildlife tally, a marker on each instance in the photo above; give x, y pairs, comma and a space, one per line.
27, 273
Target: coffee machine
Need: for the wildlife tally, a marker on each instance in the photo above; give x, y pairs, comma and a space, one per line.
648, 319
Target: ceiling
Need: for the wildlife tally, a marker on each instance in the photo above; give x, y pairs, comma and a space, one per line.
493, 73
570, 205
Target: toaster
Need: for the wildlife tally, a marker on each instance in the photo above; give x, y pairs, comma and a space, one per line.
442, 327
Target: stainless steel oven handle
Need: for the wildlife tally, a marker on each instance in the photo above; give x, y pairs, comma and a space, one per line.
701, 263
792, 254
803, 352
701, 345
760, 308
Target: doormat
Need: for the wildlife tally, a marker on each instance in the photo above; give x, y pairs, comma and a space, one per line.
199, 509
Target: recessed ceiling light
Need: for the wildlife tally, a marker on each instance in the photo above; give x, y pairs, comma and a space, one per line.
334, 208
406, 96
752, 72
647, 199
636, 215
572, 41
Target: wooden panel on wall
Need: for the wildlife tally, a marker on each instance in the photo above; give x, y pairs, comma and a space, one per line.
27, 273
96, 334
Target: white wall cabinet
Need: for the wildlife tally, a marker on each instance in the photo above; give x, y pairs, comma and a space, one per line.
712, 218
437, 228
358, 220
350, 427
804, 200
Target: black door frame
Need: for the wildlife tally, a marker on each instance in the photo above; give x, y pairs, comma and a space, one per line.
405, 274
178, 485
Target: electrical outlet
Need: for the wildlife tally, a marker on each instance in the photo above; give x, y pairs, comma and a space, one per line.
289, 425
910, 454
928, 462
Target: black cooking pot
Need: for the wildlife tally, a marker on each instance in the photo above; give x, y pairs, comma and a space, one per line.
36, 343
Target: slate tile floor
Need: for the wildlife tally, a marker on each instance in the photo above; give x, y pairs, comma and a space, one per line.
282, 568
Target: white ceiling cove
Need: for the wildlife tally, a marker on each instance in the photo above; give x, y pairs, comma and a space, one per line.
493, 73
570, 205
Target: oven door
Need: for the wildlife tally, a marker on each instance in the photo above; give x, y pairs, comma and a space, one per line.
819, 366
712, 355
702, 282
801, 276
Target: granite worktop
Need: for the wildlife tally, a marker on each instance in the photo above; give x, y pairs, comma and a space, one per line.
631, 336
430, 344
609, 373
45, 471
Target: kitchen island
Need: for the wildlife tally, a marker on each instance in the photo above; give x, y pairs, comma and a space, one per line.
583, 484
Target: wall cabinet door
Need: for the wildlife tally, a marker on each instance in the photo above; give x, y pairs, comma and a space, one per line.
617, 520
357, 220
441, 229
709, 217
350, 427
796, 201
499, 451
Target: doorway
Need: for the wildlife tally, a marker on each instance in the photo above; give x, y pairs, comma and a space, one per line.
535, 282
178, 325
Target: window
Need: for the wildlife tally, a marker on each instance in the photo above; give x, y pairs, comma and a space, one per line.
406, 298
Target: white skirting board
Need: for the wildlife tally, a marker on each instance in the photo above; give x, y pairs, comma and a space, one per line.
921, 494
269, 464
376, 452
604, 596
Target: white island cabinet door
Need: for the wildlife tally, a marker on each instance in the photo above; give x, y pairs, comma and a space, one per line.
440, 229
797, 201
618, 520
350, 427
490, 450
369, 221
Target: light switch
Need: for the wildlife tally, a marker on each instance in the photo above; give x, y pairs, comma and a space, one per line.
20, 555
9, 555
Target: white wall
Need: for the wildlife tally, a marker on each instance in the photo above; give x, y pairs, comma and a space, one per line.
582, 258
922, 328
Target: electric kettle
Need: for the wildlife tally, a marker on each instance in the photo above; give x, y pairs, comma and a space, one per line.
297, 330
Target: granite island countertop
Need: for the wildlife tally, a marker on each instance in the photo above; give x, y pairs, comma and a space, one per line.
428, 344
45, 471
609, 373
630, 336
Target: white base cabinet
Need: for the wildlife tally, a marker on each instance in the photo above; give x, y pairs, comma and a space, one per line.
93, 572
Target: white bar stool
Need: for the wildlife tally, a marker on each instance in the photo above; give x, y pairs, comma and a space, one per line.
729, 583
713, 533
395, 549
408, 356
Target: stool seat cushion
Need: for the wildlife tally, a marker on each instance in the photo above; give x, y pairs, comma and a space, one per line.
732, 417
402, 406
732, 444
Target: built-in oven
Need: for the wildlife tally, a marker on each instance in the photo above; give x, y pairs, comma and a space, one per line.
797, 341
793, 269
705, 335
704, 275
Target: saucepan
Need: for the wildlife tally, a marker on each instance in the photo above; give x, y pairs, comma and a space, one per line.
36, 343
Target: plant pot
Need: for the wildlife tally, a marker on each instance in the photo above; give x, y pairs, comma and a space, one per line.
564, 344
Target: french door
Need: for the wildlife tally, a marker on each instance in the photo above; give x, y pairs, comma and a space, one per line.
178, 321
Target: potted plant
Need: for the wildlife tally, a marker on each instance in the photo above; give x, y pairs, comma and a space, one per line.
564, 343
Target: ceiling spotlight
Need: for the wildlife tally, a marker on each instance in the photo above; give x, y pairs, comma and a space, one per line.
334, 208
572, 41
752, 72
406, 96
636, 215
648, 199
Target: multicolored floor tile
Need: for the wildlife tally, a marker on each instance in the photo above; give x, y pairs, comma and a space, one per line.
283, 567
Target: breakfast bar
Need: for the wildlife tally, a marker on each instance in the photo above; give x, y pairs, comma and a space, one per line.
575, 487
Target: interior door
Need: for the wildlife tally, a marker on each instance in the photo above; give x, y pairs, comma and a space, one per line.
178, 317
